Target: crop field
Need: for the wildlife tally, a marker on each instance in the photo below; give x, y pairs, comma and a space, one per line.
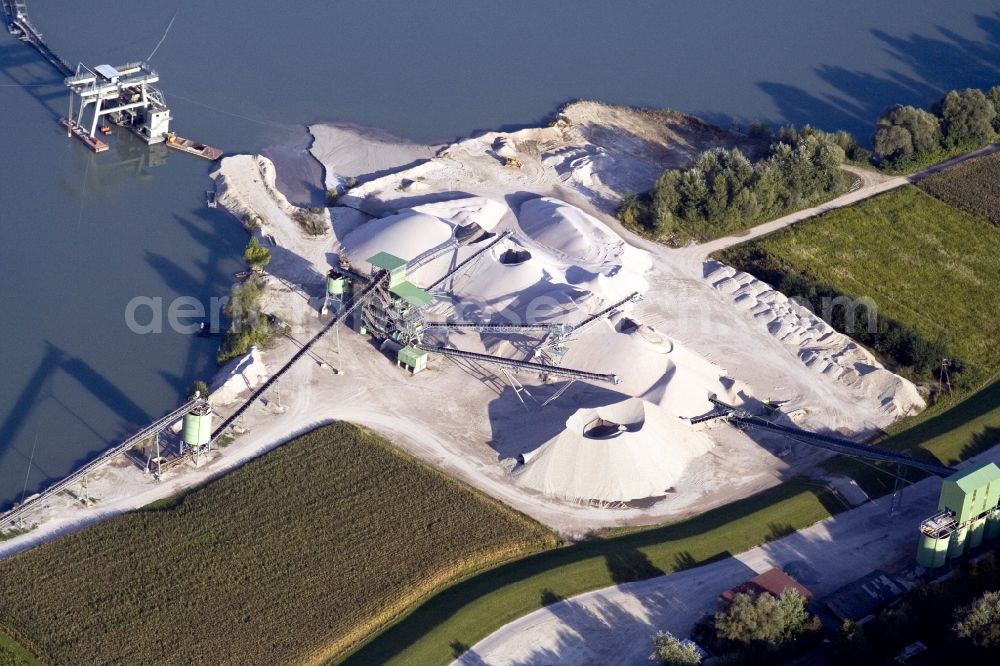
971, 186
301, 554
458, 617
923, 263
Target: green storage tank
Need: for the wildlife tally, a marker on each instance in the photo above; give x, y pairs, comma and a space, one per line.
336, 284
197, 431
956, 545
936, 534
932, 552
993, 524
977, 530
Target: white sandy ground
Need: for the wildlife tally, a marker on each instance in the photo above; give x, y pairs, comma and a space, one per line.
615, 625
462, 418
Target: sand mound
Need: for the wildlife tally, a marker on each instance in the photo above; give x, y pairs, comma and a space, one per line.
626, 451
597, 259
483, 211
237, 377
569, 232
817, 344
528, 291
653, 367
406, 234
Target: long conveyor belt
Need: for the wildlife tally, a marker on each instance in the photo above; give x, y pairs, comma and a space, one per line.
840, 445
485, 327
523, 365
378, 279
118, 449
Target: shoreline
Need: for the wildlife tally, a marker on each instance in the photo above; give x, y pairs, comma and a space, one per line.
449, 443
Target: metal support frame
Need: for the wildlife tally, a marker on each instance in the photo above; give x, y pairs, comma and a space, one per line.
132, 90
518, 388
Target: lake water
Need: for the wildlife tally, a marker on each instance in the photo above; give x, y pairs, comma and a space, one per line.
82, 234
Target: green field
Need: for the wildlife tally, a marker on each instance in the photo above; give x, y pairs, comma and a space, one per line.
971, 186
13, 653
303, 553
923, 262
463, 614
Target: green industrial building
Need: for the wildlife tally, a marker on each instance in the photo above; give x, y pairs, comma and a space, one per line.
968, 514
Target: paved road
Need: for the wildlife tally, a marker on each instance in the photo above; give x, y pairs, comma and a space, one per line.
872, 183
614, 625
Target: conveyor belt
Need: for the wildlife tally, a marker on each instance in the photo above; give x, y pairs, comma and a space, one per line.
137, 438
378, 279
608, 311
486, 327
839, 445
466, 262
523, 365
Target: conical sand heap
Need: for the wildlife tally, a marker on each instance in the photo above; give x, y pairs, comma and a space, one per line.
626, 451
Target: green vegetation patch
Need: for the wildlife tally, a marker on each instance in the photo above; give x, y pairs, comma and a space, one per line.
300, 554
13, 652
973, 186
461, 615
723, 192
924, 264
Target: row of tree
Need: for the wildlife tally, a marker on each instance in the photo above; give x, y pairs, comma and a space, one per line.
724, 189
962, 120
913, 354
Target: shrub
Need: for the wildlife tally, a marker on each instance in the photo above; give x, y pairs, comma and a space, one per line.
670, 651
967, 118
979, 622
311, 220
256, 255
247, 325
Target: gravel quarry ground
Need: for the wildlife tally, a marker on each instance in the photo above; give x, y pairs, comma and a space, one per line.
464, 418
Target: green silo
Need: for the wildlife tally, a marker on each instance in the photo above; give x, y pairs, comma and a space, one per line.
971, 492
336, 283
935, 536
993, 524
977, 530
197, 430
957, 543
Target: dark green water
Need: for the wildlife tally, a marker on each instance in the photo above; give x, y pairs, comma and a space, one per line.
82, 234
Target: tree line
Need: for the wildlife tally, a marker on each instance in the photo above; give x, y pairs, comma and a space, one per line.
723, 190
963, 120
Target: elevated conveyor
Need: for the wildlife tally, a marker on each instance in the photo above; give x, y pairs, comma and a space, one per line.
743, 419
156, 426
514, 364
358, 301
462, 264
487, 327
18, 24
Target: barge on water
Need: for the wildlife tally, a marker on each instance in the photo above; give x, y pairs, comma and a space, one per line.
193, 147
92, 142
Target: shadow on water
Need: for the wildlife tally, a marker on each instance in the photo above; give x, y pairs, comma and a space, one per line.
23, 66
57, 361
939, 63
